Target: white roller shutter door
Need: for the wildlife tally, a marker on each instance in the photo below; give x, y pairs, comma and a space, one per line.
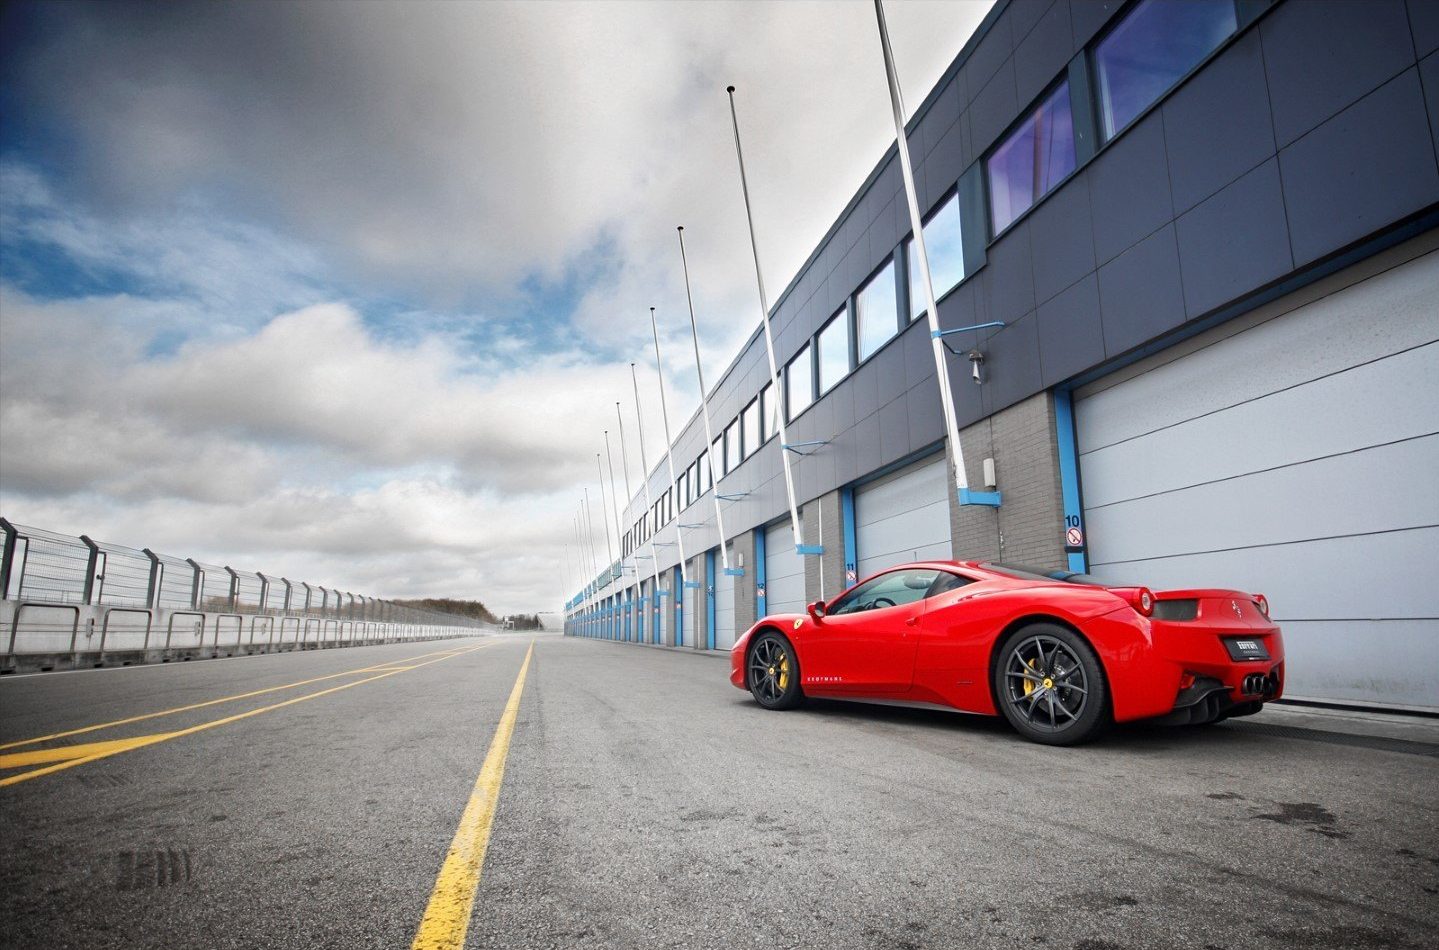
903, 516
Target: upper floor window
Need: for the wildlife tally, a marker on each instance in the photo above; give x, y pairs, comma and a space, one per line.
705, 474
799, 383
732, 454
768, 412
1151, 49
943, 242
1035, 157
876, 312
749, 426
717, 456
834, 351
695, 484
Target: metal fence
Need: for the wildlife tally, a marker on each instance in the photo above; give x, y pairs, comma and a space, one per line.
66, 600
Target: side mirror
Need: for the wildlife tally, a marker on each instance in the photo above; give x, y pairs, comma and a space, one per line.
816, 610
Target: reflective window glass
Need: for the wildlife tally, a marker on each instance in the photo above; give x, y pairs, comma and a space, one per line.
708, 476
887, 590
834, 351
943, 242
1150, 50
1038, 154
768, 412
876, 314
749, 425
799, 384
731, 447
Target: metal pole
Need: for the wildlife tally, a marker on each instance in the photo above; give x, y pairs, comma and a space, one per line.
614, 502
604, 519
946, 396
768, 335
649, 505
669, 448
704, 404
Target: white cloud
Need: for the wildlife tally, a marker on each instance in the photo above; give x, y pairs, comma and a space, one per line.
261, 175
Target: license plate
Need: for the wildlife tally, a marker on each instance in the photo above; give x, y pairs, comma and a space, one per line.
1246, 648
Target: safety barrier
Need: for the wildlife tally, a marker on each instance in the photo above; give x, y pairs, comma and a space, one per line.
74, 603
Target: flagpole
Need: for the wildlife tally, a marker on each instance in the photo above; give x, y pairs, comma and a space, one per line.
704, 406
946, 395
649, 505
669, 450
629, 494
615, 504
768, 334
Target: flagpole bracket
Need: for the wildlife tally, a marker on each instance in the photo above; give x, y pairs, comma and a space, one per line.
941, 334
986, 499
735, 496
798, 447
809, 550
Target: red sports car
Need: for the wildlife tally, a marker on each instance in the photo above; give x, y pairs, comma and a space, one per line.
1060, 655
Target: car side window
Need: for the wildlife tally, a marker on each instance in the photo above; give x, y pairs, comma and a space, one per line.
945, 583
893, 589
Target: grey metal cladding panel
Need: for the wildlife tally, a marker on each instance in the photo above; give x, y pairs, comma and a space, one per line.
1007, 281
1062, 238
1322, 55
894, 431
918, 352
1140, 292
1071, 336
1089, 16
1424, 22
957, 308
1217, 126
1011, 363
994, 107
1370, 165
991, 52
942, 168
926, 417
866, 433
1129, 189
1234, 241
1043, 54
866, 386
1429, 73
1024, 14
938, 120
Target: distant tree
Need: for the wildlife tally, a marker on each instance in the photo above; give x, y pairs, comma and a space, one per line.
524, 621
473, 609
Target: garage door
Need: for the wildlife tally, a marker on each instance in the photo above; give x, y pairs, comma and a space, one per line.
1295, 456
783, 571
903, 517
724, 602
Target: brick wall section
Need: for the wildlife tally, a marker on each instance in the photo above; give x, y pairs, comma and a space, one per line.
824, 524
744, 587
1029, 527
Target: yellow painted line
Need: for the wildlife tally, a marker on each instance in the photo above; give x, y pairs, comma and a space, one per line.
448, 651
64, 753
447, 916
164, 736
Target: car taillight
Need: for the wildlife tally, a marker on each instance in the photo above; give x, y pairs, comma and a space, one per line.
1262, 603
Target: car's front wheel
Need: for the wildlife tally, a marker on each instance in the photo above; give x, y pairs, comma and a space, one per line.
1050, 685
772, 672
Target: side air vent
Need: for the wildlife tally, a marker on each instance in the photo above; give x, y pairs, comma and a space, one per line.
1186, 609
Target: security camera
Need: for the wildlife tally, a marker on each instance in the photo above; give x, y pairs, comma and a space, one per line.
976, 360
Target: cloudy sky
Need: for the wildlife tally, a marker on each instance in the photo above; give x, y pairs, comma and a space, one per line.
347, 292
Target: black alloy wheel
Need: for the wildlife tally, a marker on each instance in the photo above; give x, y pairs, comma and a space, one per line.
1050, 685
772, 672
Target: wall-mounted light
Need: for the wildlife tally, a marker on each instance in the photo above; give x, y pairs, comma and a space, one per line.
976, 360
989, 480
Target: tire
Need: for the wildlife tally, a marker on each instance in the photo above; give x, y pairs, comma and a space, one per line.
772, 672
1048, 682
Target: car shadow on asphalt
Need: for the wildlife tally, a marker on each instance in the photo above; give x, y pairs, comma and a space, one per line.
1140, 737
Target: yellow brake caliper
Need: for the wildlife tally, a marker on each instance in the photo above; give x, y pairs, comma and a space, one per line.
784, 673
1029, 683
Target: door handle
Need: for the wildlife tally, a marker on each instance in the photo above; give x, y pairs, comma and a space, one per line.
911, 621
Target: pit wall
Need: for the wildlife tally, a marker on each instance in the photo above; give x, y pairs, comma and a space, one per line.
39, 637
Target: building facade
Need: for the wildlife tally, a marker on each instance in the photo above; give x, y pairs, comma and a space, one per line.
1196, 243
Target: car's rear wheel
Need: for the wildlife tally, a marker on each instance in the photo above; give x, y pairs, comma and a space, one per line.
1050, 685
772, 672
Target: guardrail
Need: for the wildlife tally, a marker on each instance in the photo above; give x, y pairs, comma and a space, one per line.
72, 602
